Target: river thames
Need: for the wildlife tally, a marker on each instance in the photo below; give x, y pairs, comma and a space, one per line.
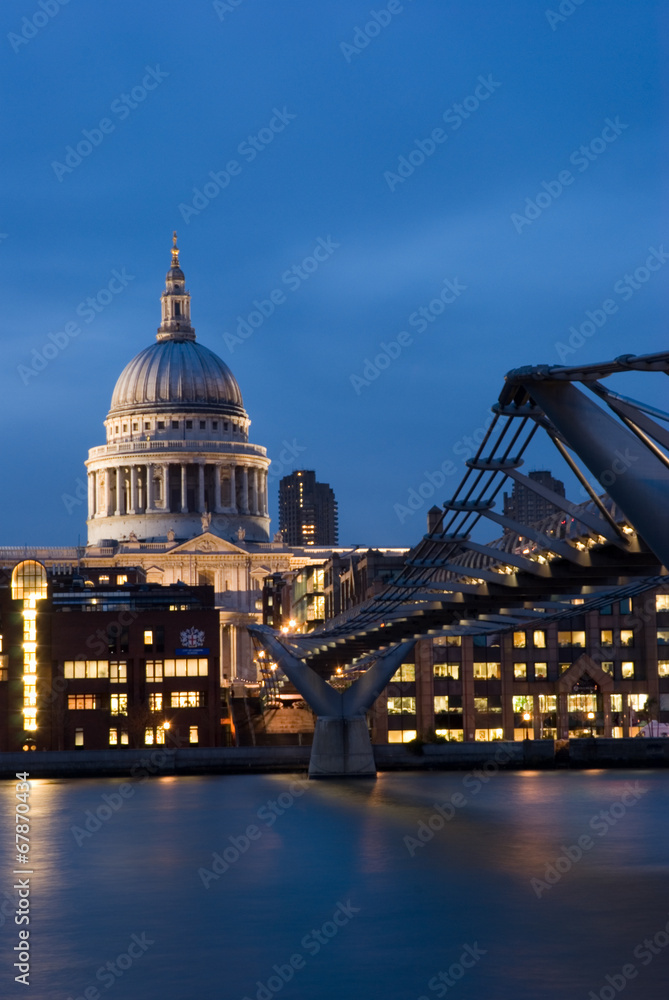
524, 885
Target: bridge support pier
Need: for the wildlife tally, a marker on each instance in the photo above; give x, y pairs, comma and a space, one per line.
341, 745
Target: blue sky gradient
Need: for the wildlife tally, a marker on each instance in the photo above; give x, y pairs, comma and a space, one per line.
219, 74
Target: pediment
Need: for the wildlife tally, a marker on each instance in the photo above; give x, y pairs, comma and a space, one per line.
207, 544
579, 668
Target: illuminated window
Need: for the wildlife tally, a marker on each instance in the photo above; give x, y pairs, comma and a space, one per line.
582, 702
451, 670
78, 737
118, 672
103, 578
607, 667
662, 602
627, 669
185, 667
547, 703
113, 737
154, 670
81, 701
29, 581
637, 702
663, 637
456, 735
148, 637
626, 637
118, 704
480, 704
616, 703
519, 641
484, 735
571, 638
186, 699
401, 706
193, 736
448, 640
520, 671
406, 672
489, 671
121, 579
540, 670
663, 668
522, 703
539, 639
86, 669
155, 701
606, 637
564, 667
441, 703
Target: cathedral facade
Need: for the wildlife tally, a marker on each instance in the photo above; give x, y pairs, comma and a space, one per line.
178, 491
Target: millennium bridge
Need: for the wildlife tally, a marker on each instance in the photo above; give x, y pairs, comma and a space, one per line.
617, 540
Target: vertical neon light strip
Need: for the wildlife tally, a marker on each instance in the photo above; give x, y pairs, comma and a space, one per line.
30, 663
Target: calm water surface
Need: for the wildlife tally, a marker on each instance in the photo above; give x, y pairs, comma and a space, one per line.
333, 883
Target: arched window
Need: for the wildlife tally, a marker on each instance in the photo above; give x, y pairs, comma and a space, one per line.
29, 580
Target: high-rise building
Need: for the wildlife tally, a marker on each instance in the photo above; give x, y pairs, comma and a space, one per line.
307, 510
528, 507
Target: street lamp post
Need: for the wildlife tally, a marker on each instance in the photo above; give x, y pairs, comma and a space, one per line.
591, 716
526, 719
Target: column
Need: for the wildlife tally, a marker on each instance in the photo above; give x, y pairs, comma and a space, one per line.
133, 490
108, 495
184, 488
91, 495
265, 501
233, 489
165, 473
200, 487
245, 490
150, 509
119, 491
217, 489
253, 490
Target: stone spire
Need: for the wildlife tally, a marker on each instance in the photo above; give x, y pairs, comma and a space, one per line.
175, 302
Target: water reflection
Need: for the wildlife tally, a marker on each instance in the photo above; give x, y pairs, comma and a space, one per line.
421, 883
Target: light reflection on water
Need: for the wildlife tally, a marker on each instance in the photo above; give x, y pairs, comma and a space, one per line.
341, 841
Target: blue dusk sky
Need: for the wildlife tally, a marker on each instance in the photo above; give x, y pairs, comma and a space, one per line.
473, 177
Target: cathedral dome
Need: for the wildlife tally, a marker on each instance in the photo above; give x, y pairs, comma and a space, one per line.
177, 374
